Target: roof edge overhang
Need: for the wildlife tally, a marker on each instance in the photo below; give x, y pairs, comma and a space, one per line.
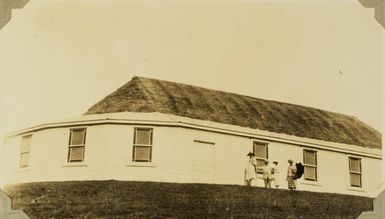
161, 119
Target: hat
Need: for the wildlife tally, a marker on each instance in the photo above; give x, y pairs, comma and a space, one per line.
250, 154
275, 162
290, 161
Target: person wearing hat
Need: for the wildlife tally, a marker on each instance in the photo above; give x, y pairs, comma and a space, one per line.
266, 174
275, 174
291, 170
250, 169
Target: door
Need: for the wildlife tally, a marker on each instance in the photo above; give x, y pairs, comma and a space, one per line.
204, 163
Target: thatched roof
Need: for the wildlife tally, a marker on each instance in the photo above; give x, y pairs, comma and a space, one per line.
151, 95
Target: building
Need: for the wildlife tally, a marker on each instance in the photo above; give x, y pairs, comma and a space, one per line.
153, 130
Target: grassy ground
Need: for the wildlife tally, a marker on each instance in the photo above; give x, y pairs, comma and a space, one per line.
117, 199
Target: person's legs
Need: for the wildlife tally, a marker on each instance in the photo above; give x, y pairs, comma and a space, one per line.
290, 183
275, 183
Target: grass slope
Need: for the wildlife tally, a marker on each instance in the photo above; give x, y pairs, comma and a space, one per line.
117, 199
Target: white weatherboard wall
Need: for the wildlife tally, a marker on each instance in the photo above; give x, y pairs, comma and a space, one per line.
333, 167
180, 154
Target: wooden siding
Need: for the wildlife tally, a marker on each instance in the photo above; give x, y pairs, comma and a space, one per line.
108, 155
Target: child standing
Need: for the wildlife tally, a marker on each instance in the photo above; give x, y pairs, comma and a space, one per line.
275, 174
267, 174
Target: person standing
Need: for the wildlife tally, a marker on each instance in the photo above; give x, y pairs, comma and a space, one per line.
291, 170
250, 169
275, 174
267, 176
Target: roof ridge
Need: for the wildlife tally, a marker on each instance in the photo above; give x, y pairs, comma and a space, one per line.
246, 96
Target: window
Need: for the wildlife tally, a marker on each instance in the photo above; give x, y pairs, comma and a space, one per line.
142, 149
310, 164
25, 150
77, 145
355, 172
260, 151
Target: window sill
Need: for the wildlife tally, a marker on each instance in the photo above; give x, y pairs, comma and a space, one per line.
141, 165
356, 189
311, 183
23, 169
75, 165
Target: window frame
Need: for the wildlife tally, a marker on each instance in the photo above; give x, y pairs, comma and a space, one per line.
355, 172
310, 165
72, 146
136, 145
25, 152
266, 145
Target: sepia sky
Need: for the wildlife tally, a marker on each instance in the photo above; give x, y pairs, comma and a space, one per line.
58, 58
